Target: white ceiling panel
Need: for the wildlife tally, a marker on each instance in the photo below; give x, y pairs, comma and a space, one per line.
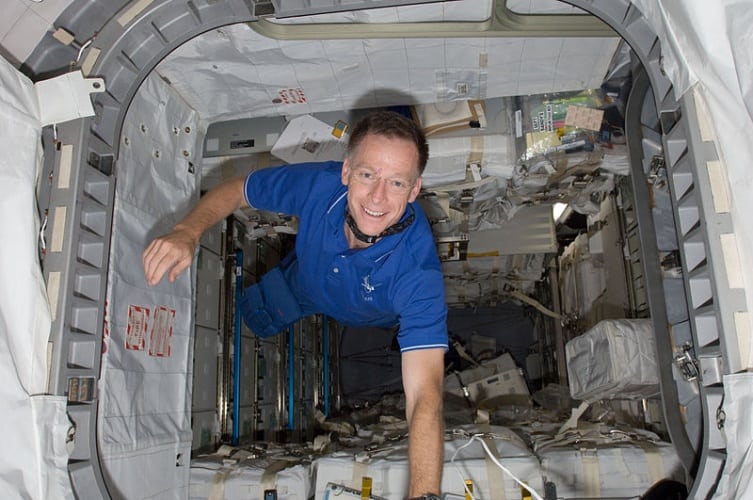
236, 72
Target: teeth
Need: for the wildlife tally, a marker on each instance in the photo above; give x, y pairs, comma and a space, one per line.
373, 214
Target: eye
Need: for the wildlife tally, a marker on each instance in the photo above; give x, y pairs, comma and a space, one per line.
365, 175
398, 184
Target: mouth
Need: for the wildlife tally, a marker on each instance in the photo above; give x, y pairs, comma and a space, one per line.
373, 213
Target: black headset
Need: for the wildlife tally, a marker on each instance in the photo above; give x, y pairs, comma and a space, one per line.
393, 229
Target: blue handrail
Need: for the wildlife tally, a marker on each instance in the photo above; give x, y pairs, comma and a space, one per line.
291, 377
325, 360
237, 347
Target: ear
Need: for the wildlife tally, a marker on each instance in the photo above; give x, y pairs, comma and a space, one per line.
414, 192
345, 172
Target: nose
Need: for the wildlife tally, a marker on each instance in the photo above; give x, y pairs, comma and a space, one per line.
379, 191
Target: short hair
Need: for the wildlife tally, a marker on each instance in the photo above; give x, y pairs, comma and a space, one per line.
393, 125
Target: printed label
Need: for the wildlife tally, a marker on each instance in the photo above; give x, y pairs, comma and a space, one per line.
138, 323
292, 96
162, 332
583, 117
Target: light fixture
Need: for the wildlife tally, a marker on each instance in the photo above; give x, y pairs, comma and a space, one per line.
557, 210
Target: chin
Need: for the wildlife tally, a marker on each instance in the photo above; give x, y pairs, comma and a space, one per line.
372, 230
371, 227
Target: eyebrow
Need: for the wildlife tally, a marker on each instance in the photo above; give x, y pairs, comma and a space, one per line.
372, 169
408, 180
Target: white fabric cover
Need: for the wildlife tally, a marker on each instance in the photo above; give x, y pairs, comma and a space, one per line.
737, 477
216, 479
448, 157
145, 388
388, 467
623, 470
236, 72
34, 461
616, 359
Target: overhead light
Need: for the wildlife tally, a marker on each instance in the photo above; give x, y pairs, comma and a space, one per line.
557, 210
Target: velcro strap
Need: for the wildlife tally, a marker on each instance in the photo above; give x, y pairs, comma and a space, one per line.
269, 476
217, 490
591, 475
360, 469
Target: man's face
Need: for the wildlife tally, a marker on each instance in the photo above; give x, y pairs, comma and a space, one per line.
382, 178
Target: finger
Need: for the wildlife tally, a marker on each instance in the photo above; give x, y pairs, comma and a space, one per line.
178, 268
147, 257
166, 262
160, 260
151, 259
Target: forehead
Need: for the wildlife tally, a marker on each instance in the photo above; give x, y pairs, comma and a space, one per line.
388, 156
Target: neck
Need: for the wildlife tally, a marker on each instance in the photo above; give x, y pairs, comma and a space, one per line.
362, 237
353, 241
358, 239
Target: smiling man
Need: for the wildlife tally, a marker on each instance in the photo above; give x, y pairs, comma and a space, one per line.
364, 255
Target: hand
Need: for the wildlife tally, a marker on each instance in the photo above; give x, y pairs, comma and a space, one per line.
172, 252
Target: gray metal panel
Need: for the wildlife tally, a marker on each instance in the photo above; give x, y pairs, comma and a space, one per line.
659, 301
249, 422
86, 480
268, 421
128, 52
704, 246
78, 263
248, 371
203, 428
291, 8
205, 365
614, 302
243, 136
208, 288
212, 238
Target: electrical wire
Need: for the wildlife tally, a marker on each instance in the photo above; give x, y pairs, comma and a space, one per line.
477, 437
83, 48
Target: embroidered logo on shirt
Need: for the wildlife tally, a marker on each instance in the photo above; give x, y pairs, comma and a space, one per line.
367, 289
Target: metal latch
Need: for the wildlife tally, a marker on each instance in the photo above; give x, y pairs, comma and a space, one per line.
686, 363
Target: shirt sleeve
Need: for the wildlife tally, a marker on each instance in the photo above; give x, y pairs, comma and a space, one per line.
286, 189
422, 309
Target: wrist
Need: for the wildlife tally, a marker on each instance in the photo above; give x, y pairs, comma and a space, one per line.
191, 232
427, 496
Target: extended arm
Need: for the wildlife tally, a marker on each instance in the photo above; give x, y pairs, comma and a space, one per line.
423, 374
174, 251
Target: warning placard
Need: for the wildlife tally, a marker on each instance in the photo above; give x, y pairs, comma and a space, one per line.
162, 331
138, 325
291, 96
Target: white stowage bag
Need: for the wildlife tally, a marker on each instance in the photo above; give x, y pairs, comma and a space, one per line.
240, 473
616, 359
600, 461
465, 458
35, 457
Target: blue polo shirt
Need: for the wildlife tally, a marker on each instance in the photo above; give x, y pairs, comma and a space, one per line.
397, 280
